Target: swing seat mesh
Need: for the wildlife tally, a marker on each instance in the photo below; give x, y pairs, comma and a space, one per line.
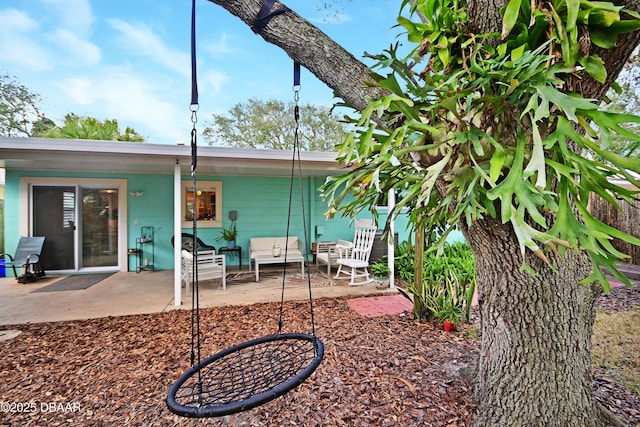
245, 376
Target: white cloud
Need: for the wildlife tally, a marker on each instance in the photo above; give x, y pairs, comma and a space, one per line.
23, 53
141, 40
18, 48
75, 15
12, 20
129, 98
218, 48
72, 29
215, 80
78, 90
80, 49
25, 45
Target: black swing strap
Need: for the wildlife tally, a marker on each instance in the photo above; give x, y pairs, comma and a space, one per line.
296, 174
265, 15
194, 75
195, 294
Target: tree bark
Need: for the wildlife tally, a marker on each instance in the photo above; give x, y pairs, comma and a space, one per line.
536, 330
312, 48
535, 365
483, 16
614, 59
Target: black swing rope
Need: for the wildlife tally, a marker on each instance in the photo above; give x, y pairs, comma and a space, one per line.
296, 161
252, 373
194, 106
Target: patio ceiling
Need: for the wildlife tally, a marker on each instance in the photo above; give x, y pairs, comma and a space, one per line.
112, 156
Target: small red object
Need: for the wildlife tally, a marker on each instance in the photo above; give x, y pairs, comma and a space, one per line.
448, 326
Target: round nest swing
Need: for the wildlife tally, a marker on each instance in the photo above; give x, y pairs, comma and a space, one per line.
246, 375
252, 373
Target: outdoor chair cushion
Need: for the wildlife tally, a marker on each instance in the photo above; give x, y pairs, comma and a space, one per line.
264, 246
327, 253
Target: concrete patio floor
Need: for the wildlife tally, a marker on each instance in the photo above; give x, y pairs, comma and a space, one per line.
152, 292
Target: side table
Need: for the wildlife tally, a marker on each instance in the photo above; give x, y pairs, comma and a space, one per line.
238, 249
134, 252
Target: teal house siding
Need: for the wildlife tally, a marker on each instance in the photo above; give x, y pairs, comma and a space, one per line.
145, 174
11, 214
262, 204
154, 208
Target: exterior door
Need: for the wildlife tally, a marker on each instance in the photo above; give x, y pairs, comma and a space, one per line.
54, 217
99, 227
80, 226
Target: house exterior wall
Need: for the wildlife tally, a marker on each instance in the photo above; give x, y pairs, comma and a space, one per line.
11, 214
262, 205
261, 202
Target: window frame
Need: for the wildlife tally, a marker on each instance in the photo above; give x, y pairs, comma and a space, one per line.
207, 186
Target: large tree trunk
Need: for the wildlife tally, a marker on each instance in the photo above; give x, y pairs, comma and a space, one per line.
535, 366
536, 329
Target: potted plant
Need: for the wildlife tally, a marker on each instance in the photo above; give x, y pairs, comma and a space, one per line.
450, 314
381, 272
229, 235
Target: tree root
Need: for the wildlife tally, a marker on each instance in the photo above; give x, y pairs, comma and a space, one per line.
607, 417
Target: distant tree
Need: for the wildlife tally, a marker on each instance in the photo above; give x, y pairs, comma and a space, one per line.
42, 126
627, 100
18, 107
270, 125
78, 127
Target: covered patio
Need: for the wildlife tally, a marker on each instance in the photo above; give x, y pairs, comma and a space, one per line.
127, 293
149, 186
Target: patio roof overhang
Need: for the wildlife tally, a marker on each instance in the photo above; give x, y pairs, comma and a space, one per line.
113, 156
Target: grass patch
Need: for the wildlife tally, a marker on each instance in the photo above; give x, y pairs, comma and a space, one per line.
616, 345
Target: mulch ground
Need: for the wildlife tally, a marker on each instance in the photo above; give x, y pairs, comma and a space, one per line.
622, 402
382, 371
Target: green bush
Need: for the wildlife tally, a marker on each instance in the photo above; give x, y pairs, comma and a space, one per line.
404, 260
448, 282
381, 268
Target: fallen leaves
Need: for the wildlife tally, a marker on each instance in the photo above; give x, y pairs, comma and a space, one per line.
385, 371
119, 369
409, 384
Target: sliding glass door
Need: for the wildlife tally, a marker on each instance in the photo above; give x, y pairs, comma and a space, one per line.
54, 216
80, 225
99, 236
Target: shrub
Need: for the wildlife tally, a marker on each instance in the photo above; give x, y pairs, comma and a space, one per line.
448, 282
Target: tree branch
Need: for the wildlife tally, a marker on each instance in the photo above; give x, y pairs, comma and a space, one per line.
316, 51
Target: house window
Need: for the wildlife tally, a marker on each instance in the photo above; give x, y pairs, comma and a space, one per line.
205, 203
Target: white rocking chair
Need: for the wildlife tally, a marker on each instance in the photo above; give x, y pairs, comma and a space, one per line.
353, 257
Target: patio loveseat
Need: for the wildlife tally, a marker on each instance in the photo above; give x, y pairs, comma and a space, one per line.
263, 250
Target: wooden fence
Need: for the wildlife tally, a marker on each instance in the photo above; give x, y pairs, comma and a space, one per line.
626, 219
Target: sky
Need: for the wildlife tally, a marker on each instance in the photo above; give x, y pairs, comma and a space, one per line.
129, 59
